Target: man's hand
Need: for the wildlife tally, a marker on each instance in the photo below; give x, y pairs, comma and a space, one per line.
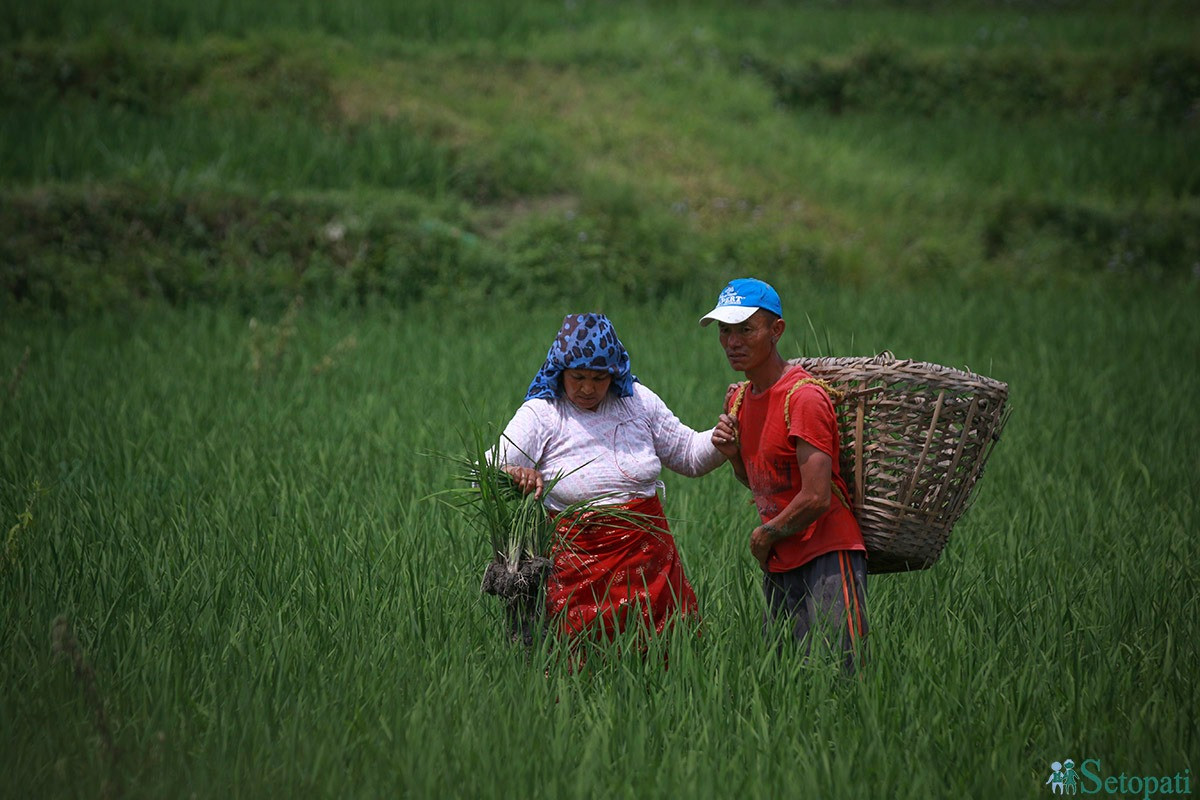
762, 541
816, 478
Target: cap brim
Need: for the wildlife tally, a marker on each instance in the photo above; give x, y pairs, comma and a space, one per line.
730, 315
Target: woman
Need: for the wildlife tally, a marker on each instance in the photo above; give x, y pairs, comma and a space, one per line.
589, 425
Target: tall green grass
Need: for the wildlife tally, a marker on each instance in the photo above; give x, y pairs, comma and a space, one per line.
246, 562
194, 149
783, 26
420, 20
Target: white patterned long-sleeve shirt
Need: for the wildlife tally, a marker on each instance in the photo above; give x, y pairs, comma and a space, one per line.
610, 455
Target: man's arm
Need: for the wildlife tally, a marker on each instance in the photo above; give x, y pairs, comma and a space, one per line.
816, 482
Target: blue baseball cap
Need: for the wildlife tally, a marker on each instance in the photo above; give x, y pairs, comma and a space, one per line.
741, 298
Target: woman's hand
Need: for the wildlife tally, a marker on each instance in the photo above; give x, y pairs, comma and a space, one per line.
725, 436
527, 479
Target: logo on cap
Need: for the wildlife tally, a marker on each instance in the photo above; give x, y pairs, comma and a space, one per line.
730, 297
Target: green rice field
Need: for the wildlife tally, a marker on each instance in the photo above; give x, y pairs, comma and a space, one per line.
264, 267
269, 603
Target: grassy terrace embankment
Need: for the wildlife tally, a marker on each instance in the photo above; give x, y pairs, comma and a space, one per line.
193, 157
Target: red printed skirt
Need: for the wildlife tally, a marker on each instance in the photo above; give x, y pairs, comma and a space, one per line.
607, 568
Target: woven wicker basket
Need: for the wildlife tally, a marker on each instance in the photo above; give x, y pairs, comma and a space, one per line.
915, 438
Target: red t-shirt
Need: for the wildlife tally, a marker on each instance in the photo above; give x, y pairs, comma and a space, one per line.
769, 452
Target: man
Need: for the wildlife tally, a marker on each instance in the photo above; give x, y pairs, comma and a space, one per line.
780, 434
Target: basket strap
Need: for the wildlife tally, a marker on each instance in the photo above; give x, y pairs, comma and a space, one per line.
835, 395
738, 396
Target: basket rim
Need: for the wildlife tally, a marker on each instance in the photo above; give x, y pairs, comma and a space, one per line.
885, 362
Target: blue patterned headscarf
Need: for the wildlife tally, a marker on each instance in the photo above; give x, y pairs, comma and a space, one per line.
585, 341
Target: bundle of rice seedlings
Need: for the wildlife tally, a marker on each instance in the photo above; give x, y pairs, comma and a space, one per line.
518, 528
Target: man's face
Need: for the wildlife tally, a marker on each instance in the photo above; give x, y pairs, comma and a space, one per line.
586, 387
750, 343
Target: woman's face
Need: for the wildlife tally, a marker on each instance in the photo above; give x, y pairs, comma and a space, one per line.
586, 387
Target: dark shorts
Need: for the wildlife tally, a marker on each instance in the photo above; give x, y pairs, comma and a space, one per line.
825, 604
